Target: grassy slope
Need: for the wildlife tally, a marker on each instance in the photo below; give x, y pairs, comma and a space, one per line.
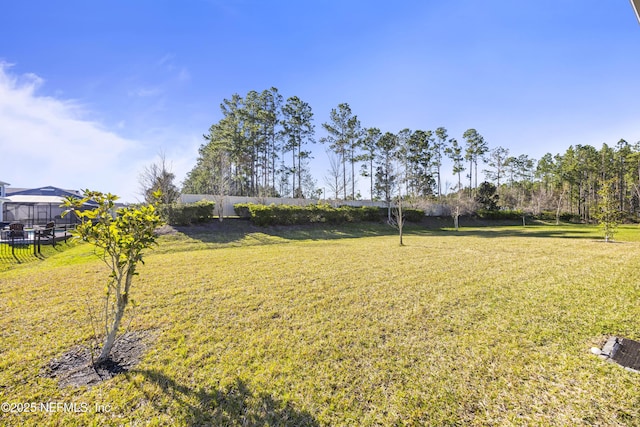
485, 326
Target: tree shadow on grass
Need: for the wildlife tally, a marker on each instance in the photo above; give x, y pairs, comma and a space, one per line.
234, 406
234, 231
519, 231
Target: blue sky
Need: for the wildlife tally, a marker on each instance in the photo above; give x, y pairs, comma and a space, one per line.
91, 92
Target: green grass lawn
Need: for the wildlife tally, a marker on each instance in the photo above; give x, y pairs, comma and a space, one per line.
314, 326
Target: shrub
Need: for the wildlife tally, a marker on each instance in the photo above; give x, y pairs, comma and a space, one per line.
413, 215
505, 214
564, 216
294, 215
242, 210
261, 214
547, 216
372, 213
187, 213
569, 217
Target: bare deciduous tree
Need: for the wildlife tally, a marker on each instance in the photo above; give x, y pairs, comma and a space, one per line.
158, 176
334, 179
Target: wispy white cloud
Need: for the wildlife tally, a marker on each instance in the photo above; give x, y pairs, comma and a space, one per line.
184, 75
51, 141
167, 61
143, 92
177, 72
158, 80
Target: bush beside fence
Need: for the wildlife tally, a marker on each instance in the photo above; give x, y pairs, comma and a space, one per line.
319, 213
499, 214
413, 215
187, 213
518, 214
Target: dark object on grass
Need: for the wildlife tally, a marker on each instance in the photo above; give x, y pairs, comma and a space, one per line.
622, 351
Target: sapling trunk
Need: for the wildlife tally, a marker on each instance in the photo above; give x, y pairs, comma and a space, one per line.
111, 336
456, 217
122, 299
220, 208
559, 207
400, 220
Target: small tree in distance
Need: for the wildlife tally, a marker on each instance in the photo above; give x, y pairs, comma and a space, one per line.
397, 218
607, 213
120, 238
158, 177
487, 197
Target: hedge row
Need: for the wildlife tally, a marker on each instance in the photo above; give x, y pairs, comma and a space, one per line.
501, 214
411, 215
320, 213
187, 213
517, 215
564, 216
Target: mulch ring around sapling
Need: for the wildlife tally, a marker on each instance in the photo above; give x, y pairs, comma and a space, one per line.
74, 368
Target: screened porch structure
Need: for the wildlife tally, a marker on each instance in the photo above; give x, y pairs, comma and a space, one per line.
38, 206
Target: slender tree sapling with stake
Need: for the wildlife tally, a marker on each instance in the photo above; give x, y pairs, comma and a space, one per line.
397, 219
607, 213
120, 237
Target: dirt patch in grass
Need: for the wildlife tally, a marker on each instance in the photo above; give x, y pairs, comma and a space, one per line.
166, 230
75, 368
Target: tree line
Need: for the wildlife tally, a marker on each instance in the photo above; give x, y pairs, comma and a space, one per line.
261, 147
578, 180
258, 148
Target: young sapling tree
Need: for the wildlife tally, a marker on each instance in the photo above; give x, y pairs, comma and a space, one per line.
607, 213
120, 236
456, 217
397, 218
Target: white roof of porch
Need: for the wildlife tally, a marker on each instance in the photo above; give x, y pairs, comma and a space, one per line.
20, 198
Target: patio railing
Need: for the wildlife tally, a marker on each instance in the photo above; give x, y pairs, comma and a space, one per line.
28, 245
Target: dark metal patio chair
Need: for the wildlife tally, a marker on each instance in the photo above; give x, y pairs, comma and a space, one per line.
17, 235
16, 231
47, 233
